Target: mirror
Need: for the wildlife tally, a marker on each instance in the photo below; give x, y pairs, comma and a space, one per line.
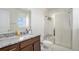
13, 19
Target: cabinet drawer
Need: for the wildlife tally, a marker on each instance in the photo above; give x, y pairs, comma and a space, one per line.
25, 43
14, 47
28, 42
27, 48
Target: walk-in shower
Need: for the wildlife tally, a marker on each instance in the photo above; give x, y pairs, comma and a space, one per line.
58, 29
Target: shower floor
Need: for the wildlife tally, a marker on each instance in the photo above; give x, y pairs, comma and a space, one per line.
55, 48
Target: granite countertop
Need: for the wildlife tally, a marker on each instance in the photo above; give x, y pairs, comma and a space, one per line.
13, 40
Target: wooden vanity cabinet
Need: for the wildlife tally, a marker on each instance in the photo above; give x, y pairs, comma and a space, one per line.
26, 45
14, 47
32, 44
36, 44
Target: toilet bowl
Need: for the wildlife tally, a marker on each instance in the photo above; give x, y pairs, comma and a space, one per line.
47, 43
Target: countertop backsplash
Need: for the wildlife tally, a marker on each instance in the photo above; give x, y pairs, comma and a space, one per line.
7, 35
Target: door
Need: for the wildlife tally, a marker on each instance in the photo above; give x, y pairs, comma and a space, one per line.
63, 29
37, 46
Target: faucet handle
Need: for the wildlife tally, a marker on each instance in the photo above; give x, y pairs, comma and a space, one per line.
18, 33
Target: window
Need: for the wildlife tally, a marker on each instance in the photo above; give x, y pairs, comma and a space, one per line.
23, 21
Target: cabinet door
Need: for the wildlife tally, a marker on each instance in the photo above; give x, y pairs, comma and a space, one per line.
14, 47
27, 48
37, 46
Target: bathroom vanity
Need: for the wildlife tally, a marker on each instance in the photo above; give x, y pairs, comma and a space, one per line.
15, 30
27, 44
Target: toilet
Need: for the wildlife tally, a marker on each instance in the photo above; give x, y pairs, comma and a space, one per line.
47, 43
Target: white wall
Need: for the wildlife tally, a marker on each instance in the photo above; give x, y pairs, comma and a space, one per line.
4, 21
37, 21
75, 29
